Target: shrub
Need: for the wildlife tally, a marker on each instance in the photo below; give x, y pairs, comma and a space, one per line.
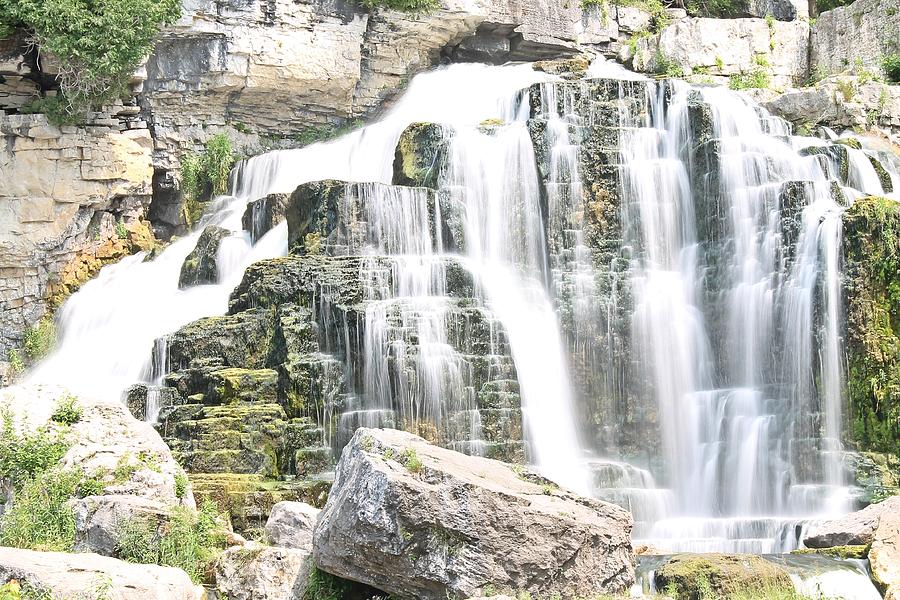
98, 43
714, 8
67, 411
40, 518
15, 362
408, 6
205, 175
39, 339
188, 540
24, 455
325, 586
891, 66
411, 460
824, 5
758, 78
181, 484
55, 108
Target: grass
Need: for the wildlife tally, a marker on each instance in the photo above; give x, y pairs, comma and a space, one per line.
325, 586
181, 484
23, 455
759, 78
40, 518
189, 540
204, 175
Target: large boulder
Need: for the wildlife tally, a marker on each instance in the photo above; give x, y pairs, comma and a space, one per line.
857, 528
291, 525
200, 265
722, 575
61, 575
417, 520
99, 520
884, 555
256, 572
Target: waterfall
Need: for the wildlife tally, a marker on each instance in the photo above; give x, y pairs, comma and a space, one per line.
643, 276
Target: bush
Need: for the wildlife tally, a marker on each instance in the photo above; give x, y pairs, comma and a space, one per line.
39, 339
189, 540
25, 455
714, 8
16, 365
67, 411
181, 484
205, 175
408, 6
40, 518
891, 66
325, 586
98, 43
758, 78
824, 5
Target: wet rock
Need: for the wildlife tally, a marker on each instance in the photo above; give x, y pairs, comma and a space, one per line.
264, 214
724, 574
418, 520
200, 265
80, 575
140, 398
98, 520
857, 528
291, 525
255, 572
421, 155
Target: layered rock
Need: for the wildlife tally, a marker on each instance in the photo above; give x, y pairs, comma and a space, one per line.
733, 47
857, 528
60, 229
64, 575
854, 36
417, 520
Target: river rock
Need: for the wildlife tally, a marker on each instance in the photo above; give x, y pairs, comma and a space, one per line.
81, 575
857, 528
200, 265
417, 520
884, 555
256, 572
291, 525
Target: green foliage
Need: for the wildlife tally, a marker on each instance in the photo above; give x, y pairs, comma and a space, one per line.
757, 78
824, 5
99, 43
407, 6
659, 18
16, 365
666, 67
57, 110
872, 253
67, 411
40, 518
714, 8
25, 454
39, 339
121, 231
847, 88
891, 66
205, 175
128, 464
181, 484
411, 460
325, 586
188, 539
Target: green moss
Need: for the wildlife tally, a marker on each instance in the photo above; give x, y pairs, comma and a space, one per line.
861, 551
872, 255
709, 576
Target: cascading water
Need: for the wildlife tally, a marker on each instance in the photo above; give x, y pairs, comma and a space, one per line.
660, 257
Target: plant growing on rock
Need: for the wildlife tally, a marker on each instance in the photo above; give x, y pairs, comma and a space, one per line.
408, 6
205, 175
891, 66
67, 411
39, 339
97, 44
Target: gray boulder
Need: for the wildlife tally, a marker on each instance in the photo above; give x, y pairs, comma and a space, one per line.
200, 265
420, 521
884, 556
99, 520
255, 572
62, 575
857, 528
291, 525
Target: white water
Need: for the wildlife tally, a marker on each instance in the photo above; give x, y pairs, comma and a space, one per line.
734, 384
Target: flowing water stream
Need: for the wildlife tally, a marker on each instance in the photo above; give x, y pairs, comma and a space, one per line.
712, 324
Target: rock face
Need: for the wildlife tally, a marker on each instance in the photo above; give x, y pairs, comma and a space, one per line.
98, 519
66, 225
291, 525
728, 47
255, 572
81, 575
200, 266
857, 528
421, 521
856, 35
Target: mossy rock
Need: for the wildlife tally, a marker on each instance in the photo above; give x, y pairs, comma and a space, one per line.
234, 384
837, 154
696, 576
857, 551
199, 266
567, 68
420, 155
239, 340
871, 248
